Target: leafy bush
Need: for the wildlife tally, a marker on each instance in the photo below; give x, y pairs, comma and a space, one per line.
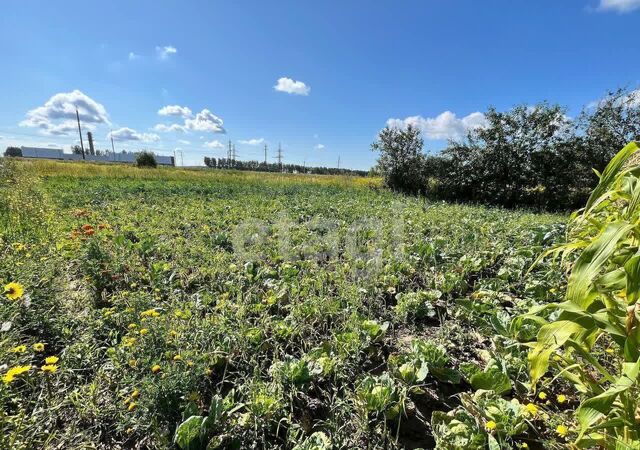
401, 160
13, 152
146, 159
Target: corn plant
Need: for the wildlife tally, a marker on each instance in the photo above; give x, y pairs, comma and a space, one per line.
594, 334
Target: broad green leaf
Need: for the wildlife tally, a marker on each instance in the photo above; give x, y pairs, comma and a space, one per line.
550, 337
610, 172
592, 409
492, 380
188, 433
590, 262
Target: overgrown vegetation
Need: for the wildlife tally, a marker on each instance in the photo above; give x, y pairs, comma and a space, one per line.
529, 156
146, 159
199, 309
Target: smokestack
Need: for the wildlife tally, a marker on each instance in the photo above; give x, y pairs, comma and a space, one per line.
91, 149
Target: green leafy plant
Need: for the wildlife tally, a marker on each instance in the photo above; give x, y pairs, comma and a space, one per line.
597, 326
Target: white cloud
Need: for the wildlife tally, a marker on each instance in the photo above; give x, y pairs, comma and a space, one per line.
166, 51
175, 110
171, 128
319, 147
252, 141
214, 144
184, 142
621, 6
292, 87
205, 120
128, 134
58, 115
133, 56
443, 126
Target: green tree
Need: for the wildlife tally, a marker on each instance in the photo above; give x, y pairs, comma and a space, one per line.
146, 159
13, 151
401, 161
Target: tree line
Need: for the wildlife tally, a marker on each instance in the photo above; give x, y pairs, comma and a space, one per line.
258, 166
529, 156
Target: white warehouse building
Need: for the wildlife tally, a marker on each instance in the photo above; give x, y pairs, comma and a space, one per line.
54, 153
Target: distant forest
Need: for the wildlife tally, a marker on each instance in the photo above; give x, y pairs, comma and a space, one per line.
258, 166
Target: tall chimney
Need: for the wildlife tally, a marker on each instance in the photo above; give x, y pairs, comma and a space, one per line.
91, 149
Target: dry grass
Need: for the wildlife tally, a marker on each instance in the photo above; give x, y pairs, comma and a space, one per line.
75, 169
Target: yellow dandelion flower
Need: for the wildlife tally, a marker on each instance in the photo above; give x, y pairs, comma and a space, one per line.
38, 347
51, 359
135, 394
132, 406
144, 331
13, 291
131, 326
49, 368
150, 313
562, 430
14, 372
542, 395
19, 349
532, 409
177, 358
561, 398
524, 445
156, 368
609, 351
491, 425
133, 363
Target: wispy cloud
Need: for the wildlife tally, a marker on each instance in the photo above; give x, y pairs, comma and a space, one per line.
214, 144
319, 147
252, 141
129, 134
620, 6
166, 51
133, 56
292, 86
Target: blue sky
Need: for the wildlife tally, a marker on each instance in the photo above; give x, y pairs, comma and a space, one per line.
346, 67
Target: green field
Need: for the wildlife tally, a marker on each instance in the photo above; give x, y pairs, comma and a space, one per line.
266, 311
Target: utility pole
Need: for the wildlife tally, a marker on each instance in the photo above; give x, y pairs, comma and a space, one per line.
80, 132
92, 150
265, 154
279, 157
338, 162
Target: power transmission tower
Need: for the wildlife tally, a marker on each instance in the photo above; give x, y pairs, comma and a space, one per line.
265, 154
234, 155
229, 154
279, 157
80, 132
338, 162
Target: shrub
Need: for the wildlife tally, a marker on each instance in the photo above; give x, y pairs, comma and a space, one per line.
401, 161
146, 159
13, 152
